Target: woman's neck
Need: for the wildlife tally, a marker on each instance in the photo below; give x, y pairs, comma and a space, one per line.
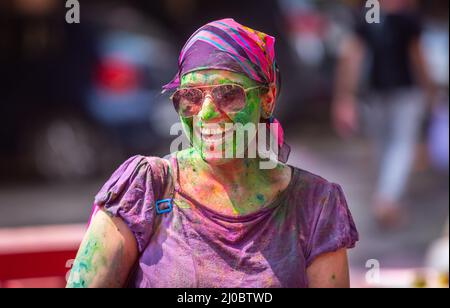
238, 186
239, 171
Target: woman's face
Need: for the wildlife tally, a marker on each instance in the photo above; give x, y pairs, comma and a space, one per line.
210, 147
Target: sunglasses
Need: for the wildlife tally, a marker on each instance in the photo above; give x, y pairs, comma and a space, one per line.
229, 98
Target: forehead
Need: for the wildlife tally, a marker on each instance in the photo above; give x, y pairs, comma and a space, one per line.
215, 77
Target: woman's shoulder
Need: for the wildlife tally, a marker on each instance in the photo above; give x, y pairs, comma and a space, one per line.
315, 196
325, 221
132, 191
307, 182
143, 166
138, 172
138, 162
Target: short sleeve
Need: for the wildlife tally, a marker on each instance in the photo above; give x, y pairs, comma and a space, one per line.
333, 226
131, 193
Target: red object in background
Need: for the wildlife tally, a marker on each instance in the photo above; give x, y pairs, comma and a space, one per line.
38, 256
36, 264
117, 75
309, 22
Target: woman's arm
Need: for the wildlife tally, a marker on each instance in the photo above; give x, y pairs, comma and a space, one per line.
106, 255
329, 270
421, 70
348, 72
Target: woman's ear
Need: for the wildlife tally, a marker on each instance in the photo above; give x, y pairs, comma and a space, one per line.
268, 100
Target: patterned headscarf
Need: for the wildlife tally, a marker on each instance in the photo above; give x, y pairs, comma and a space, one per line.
227, 45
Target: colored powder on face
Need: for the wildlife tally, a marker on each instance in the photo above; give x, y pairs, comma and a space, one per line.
250, 114
210, 113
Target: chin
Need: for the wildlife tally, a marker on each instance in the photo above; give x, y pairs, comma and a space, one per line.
213, 154
214, 161
214, 158
212, 151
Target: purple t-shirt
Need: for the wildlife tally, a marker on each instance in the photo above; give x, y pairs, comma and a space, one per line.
194, 246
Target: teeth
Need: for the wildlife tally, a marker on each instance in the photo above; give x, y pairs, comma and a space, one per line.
214, 131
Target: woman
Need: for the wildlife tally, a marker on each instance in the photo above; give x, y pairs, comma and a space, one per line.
199, 219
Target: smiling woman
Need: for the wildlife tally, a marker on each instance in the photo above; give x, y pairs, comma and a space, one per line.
238, 102
196, 219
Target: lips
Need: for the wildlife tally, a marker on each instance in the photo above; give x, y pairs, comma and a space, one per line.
214, 134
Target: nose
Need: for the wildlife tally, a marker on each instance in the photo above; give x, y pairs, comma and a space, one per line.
209, 110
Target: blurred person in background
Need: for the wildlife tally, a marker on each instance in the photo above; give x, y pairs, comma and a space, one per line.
399, 89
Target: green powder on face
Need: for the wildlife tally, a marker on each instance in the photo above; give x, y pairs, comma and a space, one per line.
210, 113
250, 114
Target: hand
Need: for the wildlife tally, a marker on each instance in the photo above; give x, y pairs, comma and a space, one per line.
345, 117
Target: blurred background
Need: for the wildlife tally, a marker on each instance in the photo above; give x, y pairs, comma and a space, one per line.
78, 99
